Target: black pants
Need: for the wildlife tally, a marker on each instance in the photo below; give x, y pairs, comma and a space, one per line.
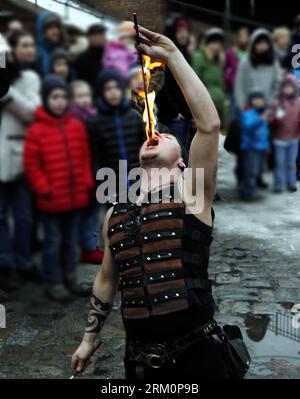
202, 360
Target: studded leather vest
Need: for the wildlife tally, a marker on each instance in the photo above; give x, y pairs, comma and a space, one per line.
162, 254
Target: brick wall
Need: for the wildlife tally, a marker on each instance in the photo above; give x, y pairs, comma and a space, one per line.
150, 12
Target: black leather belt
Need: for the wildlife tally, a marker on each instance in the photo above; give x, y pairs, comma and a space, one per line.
155, 355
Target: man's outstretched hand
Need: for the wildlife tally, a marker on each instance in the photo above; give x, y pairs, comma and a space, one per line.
81, 359
155, 45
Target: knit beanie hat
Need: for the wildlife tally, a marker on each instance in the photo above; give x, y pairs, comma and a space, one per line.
107, 75
52, 20
214, 35
58, 54
256, 92
50, 83
95, 29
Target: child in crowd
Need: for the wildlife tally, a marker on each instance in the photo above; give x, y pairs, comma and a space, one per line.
136, 87
121, 53
58, 167
82, 100
61, 65
118, 131
122, 56
137, 94
285, 118
82, 108
254, 143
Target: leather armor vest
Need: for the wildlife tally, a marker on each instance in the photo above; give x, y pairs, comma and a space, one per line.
158, 274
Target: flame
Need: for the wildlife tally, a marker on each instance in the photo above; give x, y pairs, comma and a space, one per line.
150, 125
151, 65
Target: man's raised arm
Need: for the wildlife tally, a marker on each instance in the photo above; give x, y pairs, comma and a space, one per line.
204, 149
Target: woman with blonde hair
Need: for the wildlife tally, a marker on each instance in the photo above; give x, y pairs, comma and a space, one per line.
281, 38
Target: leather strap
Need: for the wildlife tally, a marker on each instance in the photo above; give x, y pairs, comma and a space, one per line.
141, 353
151, 278
207, 329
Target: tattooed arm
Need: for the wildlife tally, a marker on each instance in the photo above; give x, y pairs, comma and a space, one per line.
104, 290
97, 315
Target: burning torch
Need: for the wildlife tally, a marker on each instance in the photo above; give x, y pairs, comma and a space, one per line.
148, 116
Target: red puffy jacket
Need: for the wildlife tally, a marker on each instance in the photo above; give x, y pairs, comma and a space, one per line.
57, 162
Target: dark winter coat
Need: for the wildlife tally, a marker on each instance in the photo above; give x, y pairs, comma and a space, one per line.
88, 65
44, 47
116, 134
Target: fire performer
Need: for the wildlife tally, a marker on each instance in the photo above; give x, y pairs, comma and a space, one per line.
158, 254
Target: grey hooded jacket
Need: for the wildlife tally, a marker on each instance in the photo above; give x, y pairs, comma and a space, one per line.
17, 111
266, 77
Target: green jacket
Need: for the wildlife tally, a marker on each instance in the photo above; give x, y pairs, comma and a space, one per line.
211, 74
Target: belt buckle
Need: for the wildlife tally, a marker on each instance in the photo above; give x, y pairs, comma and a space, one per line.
208, 328
151, 360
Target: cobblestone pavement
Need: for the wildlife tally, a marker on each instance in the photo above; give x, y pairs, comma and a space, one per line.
255, 269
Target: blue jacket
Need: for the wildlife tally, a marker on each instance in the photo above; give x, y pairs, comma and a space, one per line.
255, 132
44, 47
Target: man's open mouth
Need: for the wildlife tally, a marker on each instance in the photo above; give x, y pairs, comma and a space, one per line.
153, 143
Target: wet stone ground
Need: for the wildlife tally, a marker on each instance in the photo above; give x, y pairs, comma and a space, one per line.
255, 269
